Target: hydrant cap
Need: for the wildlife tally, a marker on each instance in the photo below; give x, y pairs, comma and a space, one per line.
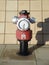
24, 12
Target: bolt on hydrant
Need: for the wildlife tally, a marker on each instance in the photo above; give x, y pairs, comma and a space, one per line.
23, 32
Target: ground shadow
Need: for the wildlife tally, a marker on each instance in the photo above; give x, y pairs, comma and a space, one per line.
42, 36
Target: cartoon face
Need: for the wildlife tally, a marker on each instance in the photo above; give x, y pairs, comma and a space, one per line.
23, 24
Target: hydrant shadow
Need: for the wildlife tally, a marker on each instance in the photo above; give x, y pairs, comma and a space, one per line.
42, 36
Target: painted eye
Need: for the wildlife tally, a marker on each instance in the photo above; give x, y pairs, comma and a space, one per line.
23, 24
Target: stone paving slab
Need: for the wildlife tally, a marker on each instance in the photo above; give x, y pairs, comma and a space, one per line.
10, 57
17, 62
2, 47
12, 46
42, 56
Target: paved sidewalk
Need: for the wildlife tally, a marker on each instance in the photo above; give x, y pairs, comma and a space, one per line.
39, 55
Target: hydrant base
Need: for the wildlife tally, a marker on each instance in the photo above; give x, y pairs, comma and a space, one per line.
23, 48
23, 54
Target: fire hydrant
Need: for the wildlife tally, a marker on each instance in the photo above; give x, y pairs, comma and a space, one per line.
23, 32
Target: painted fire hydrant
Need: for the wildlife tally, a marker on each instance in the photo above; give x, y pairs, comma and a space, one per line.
23, 32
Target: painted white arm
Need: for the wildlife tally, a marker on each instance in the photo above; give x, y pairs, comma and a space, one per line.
15, 19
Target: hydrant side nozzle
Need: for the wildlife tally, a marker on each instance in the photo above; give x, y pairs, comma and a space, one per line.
32, 20
15, 19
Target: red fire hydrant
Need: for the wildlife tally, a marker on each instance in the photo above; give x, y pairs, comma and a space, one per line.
23, 32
